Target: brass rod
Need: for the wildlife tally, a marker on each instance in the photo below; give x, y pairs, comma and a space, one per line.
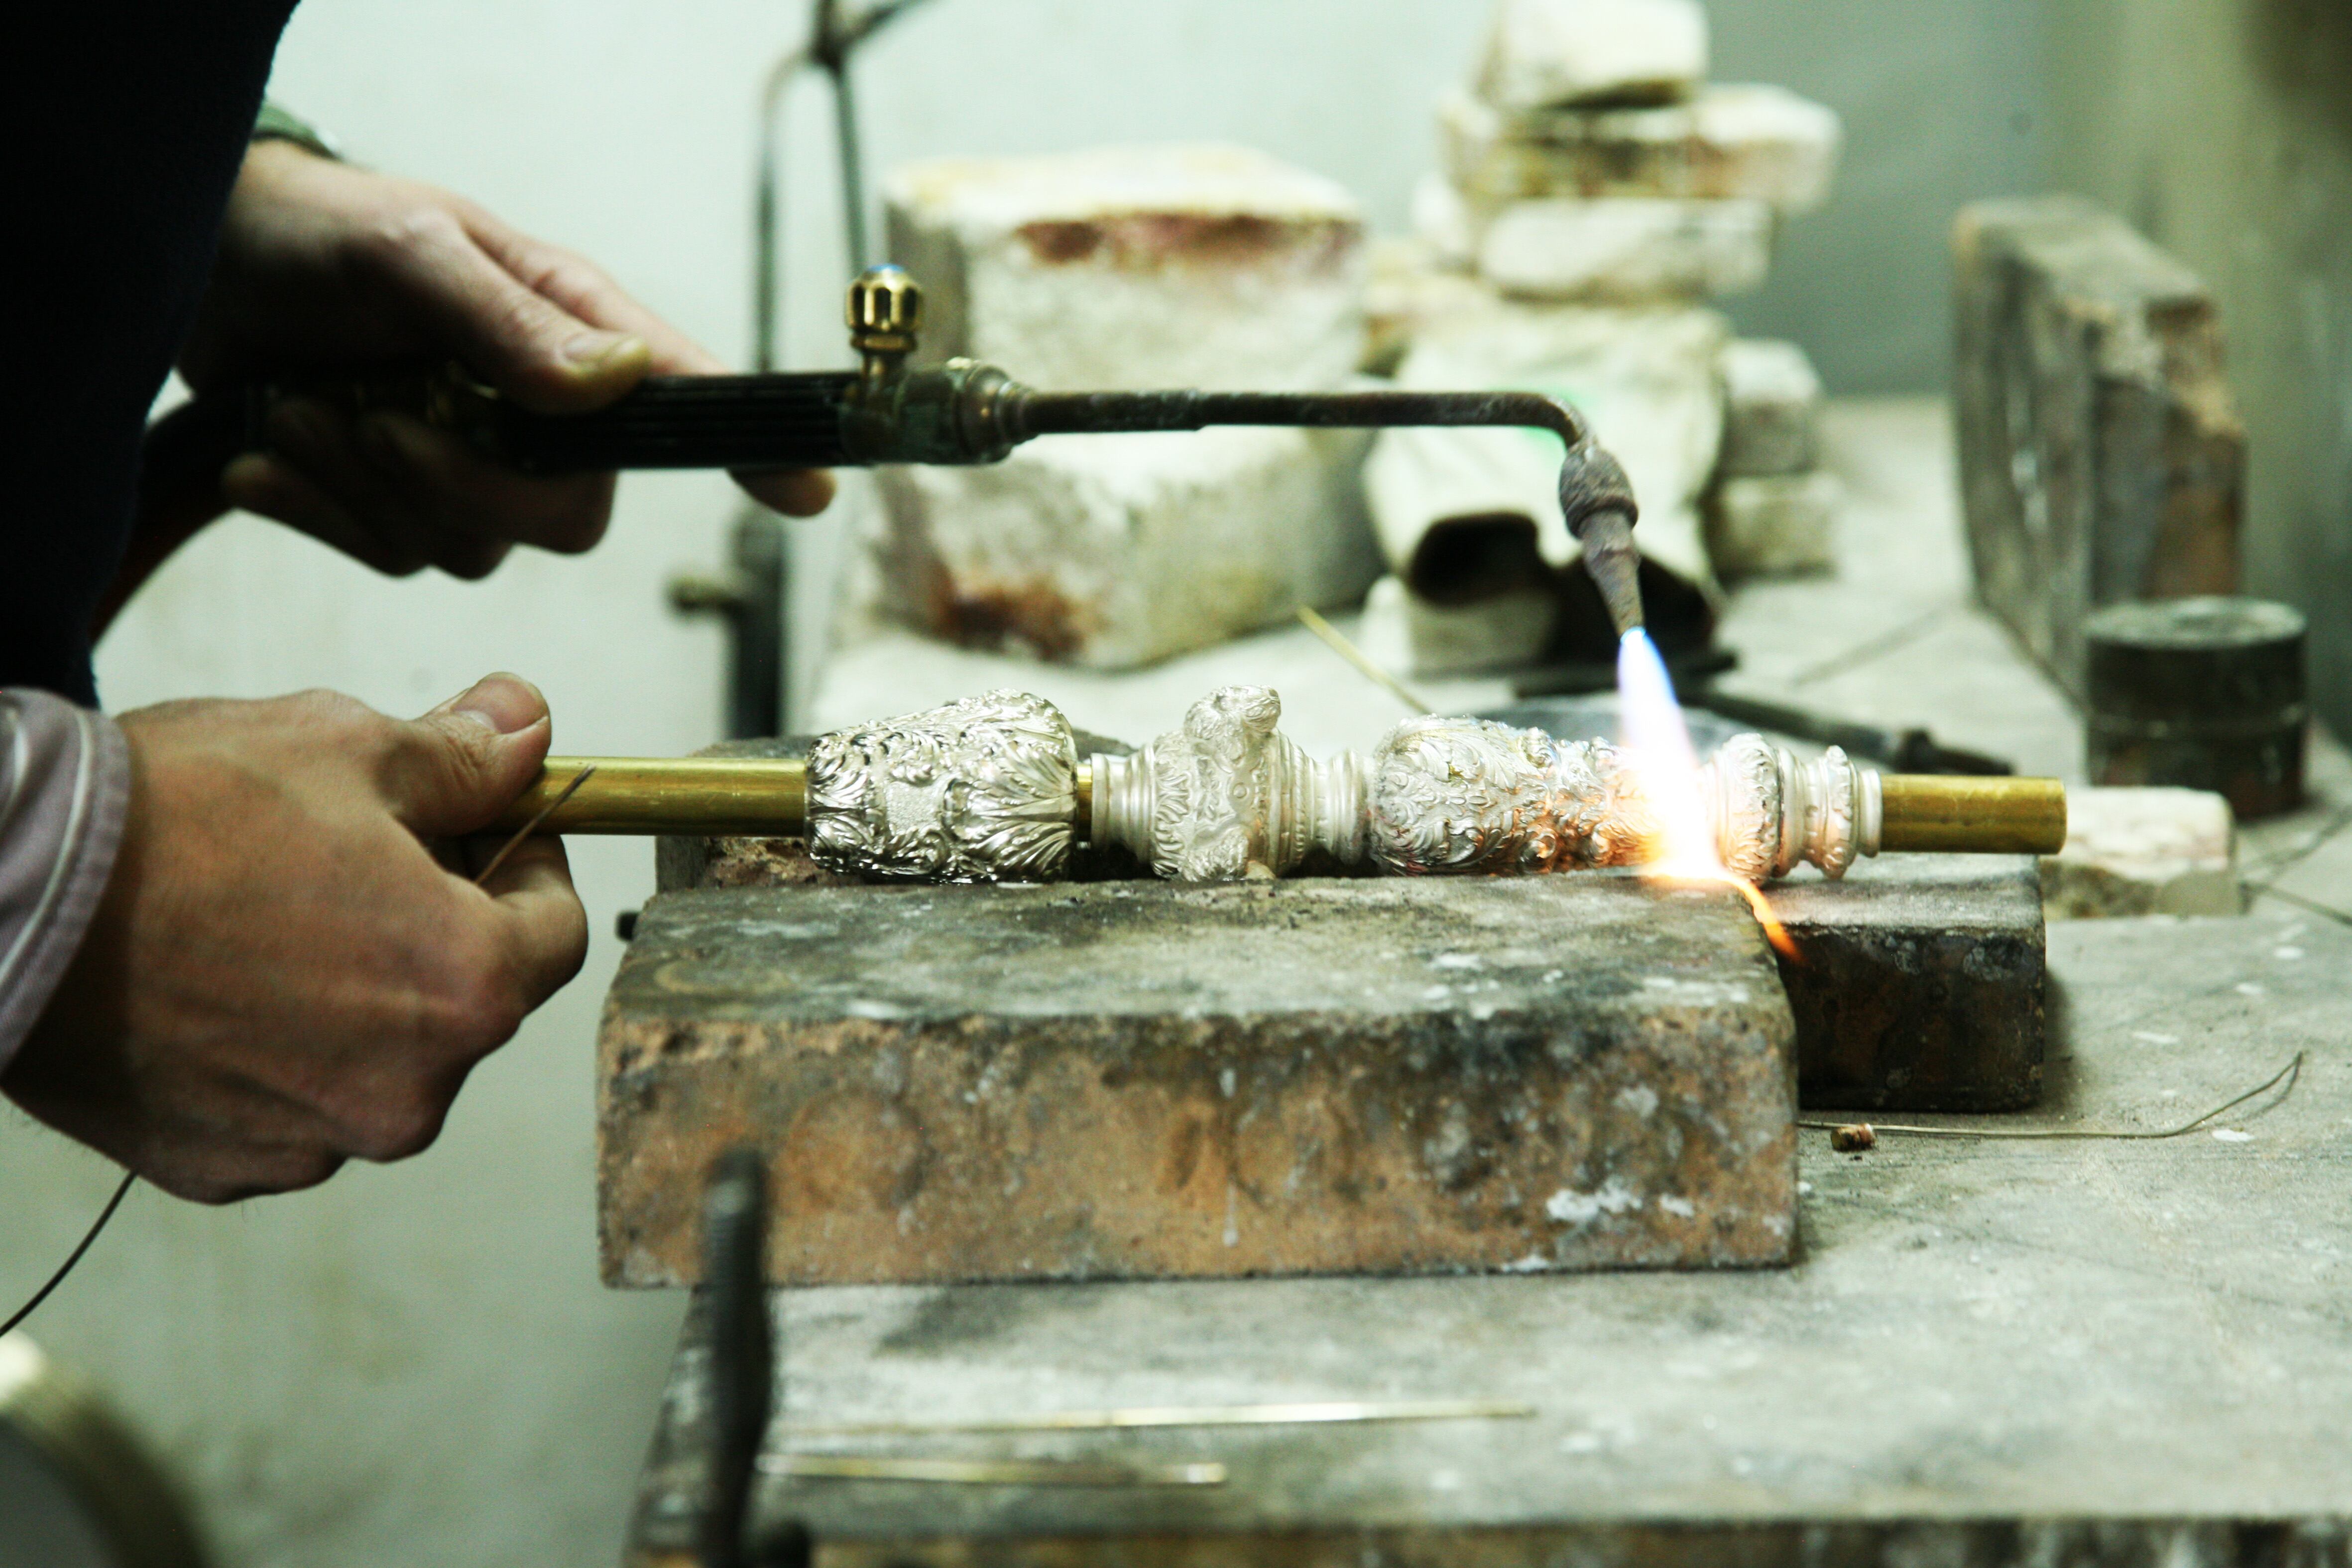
1984, 816
707, 796
704, 796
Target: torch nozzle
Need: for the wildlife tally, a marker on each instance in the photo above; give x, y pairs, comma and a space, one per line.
1615, 566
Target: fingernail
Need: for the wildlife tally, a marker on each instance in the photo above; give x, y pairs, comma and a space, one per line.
589, 350
502, 704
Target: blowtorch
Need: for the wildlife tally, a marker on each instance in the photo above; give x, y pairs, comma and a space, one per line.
962, 412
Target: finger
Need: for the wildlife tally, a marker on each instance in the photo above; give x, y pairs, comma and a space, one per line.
521, 341
441, 474
272, 488
453, 771
323, 443
540, 915
795, 492
583, 290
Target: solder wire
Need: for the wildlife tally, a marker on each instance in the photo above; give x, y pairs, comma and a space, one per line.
2291, 1074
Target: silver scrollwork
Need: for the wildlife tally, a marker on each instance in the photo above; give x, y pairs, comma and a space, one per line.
1451, 795
984, 790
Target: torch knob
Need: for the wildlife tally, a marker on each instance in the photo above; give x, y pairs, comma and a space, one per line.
886, 309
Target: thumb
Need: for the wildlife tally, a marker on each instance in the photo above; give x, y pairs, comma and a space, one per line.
453, 771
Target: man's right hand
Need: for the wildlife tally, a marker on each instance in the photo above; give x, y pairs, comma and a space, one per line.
291, 966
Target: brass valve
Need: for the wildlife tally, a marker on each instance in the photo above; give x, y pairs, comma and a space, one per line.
885, 311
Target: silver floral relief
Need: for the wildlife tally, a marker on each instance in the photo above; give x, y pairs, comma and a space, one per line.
1455, 795
1741, 786
983, 789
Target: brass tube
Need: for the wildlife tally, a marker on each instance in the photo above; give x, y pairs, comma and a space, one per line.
702, 796
706, 797
1985, 816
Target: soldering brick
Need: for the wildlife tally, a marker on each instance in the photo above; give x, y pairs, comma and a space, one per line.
1147, 1080
1919, 983
2102, 459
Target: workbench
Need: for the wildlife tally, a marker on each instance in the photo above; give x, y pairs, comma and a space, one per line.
1986, 1351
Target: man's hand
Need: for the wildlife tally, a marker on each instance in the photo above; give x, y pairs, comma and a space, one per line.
325, 264
291, 966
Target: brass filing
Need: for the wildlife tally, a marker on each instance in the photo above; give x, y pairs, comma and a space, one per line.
1973, 815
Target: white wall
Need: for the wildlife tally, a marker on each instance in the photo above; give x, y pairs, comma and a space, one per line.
414, 1364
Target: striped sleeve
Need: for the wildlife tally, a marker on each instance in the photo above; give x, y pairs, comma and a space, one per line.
65, 784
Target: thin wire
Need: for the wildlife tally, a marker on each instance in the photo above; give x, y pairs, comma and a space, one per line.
2292, 1074
533, 826
1365, 667
121, 1190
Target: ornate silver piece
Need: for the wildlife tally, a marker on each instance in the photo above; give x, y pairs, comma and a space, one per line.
984, 790
1228, 796
1771, 813
1454, 795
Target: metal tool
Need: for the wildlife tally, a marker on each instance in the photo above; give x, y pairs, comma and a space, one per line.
740, 1377
994, 1473
959, 412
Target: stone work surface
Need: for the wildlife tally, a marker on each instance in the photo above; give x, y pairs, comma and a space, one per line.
1143, 1080
1920, 985
2101, 459
2093, 1354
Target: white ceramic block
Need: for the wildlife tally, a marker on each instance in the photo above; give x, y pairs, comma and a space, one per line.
1112, 551
1135, 268
1759, 143
1772, 409
1626, 249
1646, 378
2143, 852
1775, 525
1540, 53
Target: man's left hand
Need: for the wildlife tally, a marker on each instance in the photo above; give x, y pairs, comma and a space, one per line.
323, 264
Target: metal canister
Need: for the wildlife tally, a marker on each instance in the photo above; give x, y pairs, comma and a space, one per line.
2203, 693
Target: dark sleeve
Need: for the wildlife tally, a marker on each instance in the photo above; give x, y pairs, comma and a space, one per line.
126, 122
